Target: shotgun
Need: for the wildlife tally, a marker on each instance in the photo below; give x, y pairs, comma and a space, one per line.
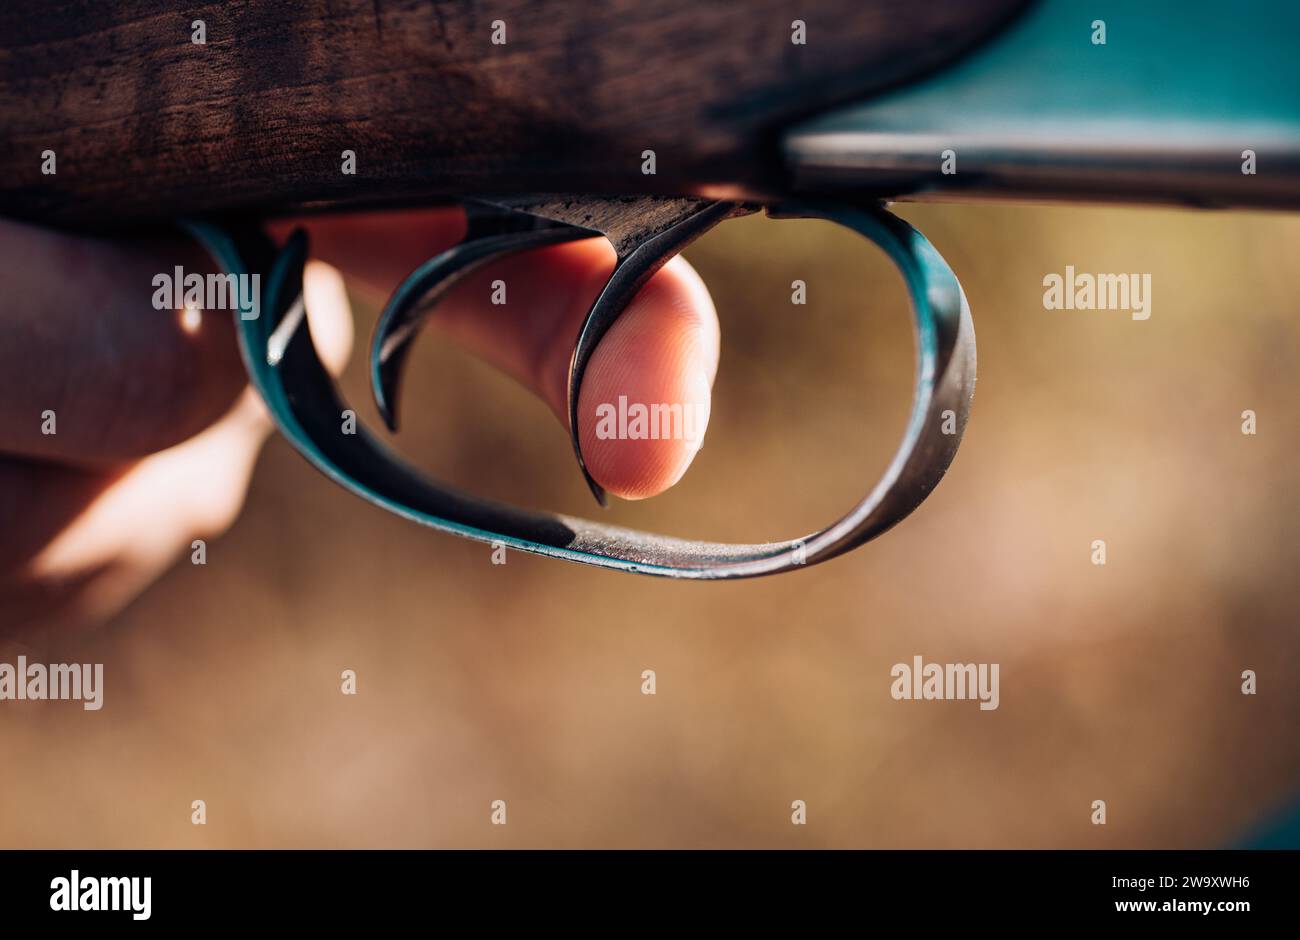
646, 123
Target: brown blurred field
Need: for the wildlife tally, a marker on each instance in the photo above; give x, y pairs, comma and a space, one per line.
522, 682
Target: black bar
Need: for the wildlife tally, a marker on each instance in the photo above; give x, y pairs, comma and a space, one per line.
303, 888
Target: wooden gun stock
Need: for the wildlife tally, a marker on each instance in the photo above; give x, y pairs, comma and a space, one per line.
434, 98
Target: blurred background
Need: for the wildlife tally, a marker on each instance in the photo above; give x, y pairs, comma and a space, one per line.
522, 682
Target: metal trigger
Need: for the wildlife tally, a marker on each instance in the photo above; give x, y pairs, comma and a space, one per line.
491, 233
646, 232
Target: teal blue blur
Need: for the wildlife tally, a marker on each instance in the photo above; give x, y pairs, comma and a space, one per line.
1281, 833
1178, 67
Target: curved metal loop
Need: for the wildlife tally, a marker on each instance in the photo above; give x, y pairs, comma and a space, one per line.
491, 233
306, 406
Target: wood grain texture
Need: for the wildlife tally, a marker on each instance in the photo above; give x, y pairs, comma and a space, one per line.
147, 124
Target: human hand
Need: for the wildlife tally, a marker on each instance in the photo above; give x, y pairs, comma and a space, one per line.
155, 433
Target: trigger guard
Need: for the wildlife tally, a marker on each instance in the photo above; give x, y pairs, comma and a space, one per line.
306, 406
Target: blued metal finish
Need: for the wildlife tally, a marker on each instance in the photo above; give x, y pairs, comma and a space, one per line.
1162, 112
306, 406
